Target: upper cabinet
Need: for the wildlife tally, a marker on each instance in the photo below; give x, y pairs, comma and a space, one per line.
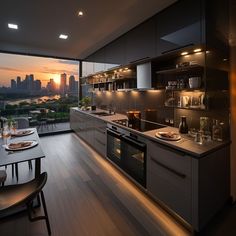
115, 51
140, 42
179, 25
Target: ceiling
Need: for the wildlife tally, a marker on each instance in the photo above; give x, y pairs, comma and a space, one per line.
41, 21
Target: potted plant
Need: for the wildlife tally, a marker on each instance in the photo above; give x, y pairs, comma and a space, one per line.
85, 103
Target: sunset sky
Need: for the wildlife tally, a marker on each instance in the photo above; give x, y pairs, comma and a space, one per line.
43, 69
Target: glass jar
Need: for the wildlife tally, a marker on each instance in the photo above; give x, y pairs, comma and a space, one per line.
217, 131
183, 127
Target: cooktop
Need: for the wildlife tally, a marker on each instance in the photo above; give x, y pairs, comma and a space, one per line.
139, 124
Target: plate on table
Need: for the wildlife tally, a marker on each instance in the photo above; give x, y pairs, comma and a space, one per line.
20, 133
22, 145
169, 136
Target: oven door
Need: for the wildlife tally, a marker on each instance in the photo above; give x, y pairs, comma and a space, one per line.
114, 146
134, 158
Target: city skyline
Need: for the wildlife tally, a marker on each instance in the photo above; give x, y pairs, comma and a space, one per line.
42, 68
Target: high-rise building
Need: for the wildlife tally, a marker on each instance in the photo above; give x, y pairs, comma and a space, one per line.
51, 86
31, 82
13, 84
71, 83
37, 85
18, 82
26, 82
63, 84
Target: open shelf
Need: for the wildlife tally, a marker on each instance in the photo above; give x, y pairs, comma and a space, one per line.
179, 70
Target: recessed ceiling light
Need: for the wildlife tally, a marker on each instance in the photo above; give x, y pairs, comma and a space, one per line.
63, 36
80, 13
197, 50
12, 26
184, 53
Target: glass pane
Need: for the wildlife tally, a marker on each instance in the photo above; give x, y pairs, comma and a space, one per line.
39, 90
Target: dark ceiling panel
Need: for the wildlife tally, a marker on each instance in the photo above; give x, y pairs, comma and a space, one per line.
40, 22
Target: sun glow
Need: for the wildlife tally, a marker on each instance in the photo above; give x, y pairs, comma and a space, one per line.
55, 77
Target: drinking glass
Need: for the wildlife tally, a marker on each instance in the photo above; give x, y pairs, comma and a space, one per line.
6, 134
14, 126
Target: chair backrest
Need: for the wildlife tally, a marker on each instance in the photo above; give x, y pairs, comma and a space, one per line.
22, 122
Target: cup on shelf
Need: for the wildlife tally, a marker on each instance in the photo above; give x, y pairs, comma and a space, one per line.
194, 82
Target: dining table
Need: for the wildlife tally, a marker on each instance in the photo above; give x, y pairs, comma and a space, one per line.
9, 157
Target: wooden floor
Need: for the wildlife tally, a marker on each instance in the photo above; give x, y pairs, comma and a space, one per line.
86, 195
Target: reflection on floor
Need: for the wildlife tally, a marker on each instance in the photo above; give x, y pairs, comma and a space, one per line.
86, 195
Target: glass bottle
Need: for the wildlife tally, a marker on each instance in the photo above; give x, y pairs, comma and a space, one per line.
183, 127
217, 131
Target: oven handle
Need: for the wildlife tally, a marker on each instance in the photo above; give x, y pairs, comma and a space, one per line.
133, 142
114, 133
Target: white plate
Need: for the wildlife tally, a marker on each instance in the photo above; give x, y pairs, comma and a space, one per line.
33, 144
175, 137
20, 133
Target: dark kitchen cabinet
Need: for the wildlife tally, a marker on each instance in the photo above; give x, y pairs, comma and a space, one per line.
179, 25
169, 178
98, 56
90, 129
115, 51
188, 185
140, 42
100, 136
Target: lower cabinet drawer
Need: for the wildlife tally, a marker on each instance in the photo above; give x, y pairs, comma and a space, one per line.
100, 146
169, 179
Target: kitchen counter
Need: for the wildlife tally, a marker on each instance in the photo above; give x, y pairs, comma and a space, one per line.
186, 144
178, 173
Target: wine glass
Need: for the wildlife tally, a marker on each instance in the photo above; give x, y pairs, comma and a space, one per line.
6, 134
14, 126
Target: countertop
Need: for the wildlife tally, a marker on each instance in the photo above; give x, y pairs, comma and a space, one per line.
186, 144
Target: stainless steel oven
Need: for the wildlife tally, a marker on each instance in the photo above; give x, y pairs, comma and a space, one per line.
134, 162
114, 145
128, 151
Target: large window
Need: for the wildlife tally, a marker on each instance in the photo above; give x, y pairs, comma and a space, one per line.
39, 89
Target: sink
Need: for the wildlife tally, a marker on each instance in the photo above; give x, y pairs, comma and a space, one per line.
101, 113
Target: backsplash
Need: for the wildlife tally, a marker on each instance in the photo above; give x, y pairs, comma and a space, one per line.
151, 104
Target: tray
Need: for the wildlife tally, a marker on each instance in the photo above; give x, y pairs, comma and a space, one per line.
21, 145
164, 135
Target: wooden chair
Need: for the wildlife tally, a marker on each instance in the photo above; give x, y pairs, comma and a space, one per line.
3, 177
14, 196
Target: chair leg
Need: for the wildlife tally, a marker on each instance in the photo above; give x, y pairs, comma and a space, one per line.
30, 165
46, 213
12, 170
36, 218
16, 168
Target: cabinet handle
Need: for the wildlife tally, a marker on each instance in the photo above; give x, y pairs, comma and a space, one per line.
183, 176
